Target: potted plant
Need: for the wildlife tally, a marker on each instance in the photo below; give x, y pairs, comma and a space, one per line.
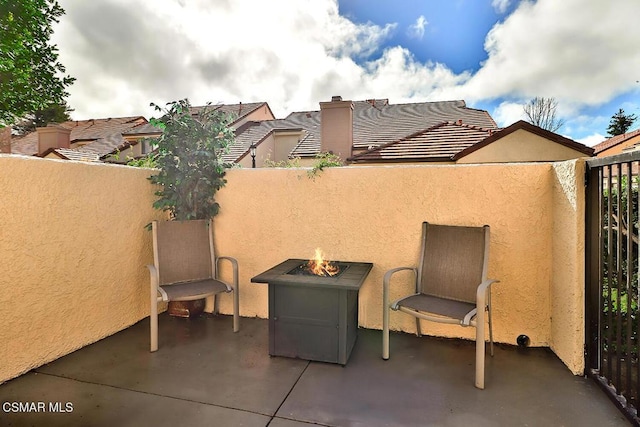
191, 169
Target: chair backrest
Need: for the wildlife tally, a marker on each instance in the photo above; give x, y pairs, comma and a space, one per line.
183, 250
454, 260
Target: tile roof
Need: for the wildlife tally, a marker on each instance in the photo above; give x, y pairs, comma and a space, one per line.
450, 141
101, 135
375, 123
615, 140
437, 143
76, 154
238, 111
256, 132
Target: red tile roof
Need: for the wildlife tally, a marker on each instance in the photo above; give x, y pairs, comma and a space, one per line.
437, 143
101, 135
615, 140
375, 123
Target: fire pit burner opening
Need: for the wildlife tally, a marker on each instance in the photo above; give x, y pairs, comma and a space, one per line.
304, 270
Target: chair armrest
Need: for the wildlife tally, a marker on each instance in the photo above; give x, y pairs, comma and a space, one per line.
483, 287
481, 295
234, 264
155, 280
387, 280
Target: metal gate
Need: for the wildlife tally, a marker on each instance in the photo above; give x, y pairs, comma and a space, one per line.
612, 265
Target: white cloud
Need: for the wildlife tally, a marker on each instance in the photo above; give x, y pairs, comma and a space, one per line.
592, 140
294, 54
500, 5
577, 53
507, 113
417, 30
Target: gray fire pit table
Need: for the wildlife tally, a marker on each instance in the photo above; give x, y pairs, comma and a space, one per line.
313, 317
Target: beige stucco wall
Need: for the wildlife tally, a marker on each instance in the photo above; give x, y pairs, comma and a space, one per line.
374, 214
568, 267
521, 146
73, 244
73, 249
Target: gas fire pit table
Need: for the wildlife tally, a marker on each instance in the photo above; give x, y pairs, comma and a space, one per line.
313, 317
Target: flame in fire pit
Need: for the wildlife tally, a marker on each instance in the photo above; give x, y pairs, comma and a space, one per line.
321, 267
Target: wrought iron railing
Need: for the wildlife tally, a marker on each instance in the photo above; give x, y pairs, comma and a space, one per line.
612, 278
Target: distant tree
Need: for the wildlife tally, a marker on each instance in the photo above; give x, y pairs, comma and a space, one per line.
54, 113
29, 68
620, 123
541, 112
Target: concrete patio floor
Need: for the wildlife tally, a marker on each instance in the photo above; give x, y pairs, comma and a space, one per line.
205, 375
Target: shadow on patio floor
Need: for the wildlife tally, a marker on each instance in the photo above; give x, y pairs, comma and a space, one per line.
204, 374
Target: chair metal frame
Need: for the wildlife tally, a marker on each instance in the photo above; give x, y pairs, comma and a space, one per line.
475, 317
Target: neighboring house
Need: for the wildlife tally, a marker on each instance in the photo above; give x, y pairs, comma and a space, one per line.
457, 142
360, 132
114, 139
523, 142
618, 144
375, 131
87, 140
348, 128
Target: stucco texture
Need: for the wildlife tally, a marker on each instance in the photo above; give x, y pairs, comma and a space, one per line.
73, 244
374, 214
73, 248
568, 268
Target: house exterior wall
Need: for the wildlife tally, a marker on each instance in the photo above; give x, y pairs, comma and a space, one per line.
72, 281
521, 146
73, 247
619, 148
259, 114
283, 144
264, 151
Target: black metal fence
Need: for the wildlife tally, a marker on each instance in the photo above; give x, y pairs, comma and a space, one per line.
612, 278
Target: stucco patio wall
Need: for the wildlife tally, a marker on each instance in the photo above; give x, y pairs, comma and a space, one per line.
374, 214
73, 244
72, 250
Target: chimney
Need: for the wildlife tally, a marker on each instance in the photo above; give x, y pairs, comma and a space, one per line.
5, 140
53, 136
336, 127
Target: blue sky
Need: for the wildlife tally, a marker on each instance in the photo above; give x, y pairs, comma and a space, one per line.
450, 32
494, 54
454, 33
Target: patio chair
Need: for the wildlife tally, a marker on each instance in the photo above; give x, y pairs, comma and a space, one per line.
185, 268
451, 285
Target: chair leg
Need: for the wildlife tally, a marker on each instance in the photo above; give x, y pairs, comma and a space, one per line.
418, 327
153, 320
216, 304
385, 332
236, 309
490, 333
480, 352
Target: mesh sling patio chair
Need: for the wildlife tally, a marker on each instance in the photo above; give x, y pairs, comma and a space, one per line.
451, 285
185, 268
